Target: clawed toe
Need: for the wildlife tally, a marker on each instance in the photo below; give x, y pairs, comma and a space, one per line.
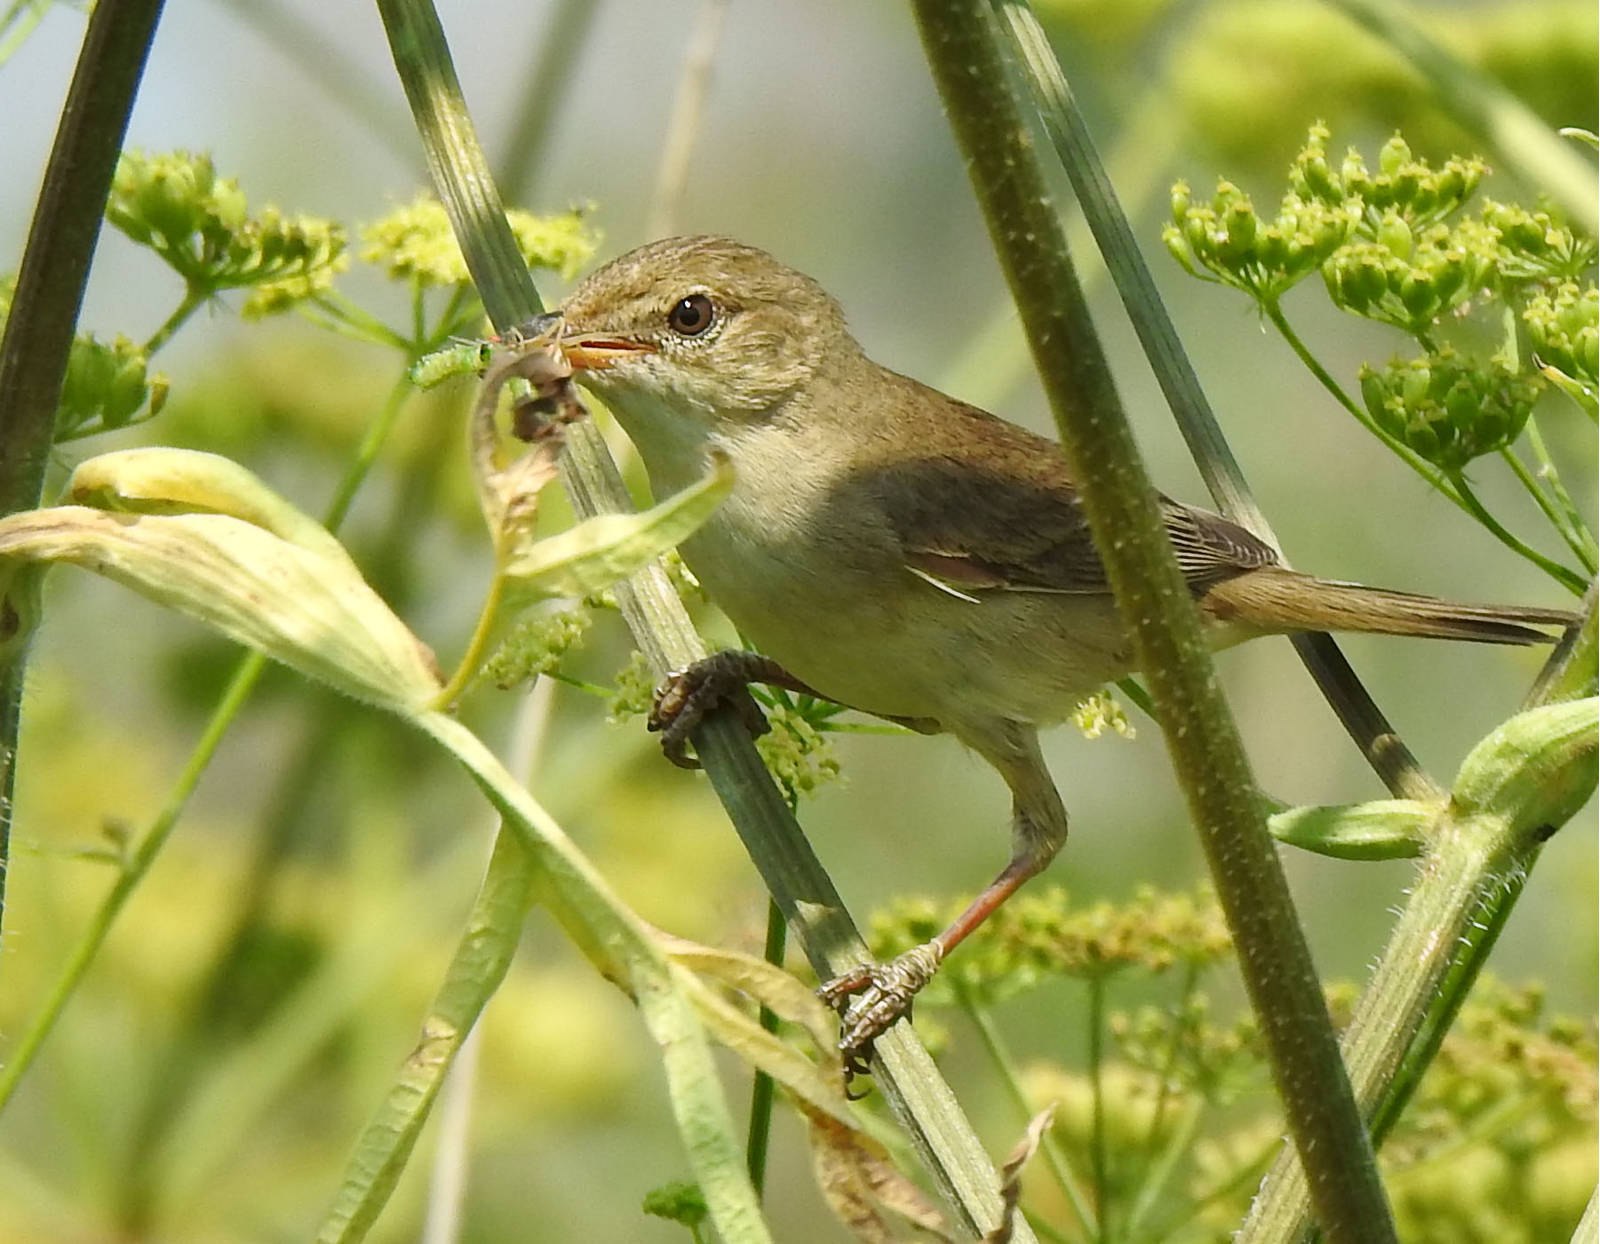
686, 697
872, 997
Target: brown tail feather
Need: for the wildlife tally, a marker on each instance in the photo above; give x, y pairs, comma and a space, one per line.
1273, 599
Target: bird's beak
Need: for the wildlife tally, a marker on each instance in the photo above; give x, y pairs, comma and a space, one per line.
596, 351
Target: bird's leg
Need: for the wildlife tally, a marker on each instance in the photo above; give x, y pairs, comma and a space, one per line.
686, 696
870, 998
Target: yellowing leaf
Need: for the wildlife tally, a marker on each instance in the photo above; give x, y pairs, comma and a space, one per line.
307, 608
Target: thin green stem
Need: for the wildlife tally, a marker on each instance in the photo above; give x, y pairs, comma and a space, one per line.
762, 1088
1096, 1022
1150, 1185
1161, 1170
1560, 518
133, 868
1435, 478
1569, 579
193, 299
1552, 477
1005, 1064
920, 1099
477, 647
349, 320
138, 860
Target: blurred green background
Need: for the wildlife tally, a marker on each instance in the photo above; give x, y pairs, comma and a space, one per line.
254, 1002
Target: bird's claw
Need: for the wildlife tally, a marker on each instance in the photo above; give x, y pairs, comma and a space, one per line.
684, 698
871, 997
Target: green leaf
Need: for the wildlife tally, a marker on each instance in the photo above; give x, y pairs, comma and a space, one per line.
600, 551
1386, 829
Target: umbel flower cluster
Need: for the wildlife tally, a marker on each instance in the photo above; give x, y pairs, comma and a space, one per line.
1399, 245
1173, 1111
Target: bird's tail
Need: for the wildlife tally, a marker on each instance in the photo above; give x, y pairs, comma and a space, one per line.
1273, 599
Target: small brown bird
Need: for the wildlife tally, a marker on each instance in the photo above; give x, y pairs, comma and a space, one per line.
903, 553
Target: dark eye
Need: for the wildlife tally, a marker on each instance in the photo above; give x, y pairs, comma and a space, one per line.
691, 316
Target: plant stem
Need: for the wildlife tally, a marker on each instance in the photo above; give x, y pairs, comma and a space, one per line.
1435, 478
193, 299
904, 1072
138, 860
1568, 579
672, 174
1096, 1022
49, 292
759, 1134
974, 80
1069, 132
1475, 870
1004, 1062
1560, 518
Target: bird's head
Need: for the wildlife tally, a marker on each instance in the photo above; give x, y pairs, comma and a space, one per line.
704, 327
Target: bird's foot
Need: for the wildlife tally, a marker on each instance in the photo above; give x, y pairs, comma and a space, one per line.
686, 697
871, 997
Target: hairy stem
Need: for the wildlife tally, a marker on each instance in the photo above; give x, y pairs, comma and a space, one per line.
975, 82
1224, 479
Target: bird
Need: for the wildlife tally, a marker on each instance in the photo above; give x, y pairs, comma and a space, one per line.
897, 551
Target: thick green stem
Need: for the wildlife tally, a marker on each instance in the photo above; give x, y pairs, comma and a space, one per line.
1069, 133
904, 1072
1475, 870
974, 80
49, 291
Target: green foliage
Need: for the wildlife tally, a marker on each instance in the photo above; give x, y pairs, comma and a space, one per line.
415, 243
1563, 334
1173, 1119
1038, 935
1251, 70
107, 385
200, 225
681, 1202
1448, 410
536, 646
1501, 304
795, 749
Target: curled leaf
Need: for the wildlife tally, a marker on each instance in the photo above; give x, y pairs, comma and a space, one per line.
1011, 1175
861, 1185
223, 549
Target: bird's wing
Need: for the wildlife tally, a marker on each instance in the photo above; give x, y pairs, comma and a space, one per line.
1013, 522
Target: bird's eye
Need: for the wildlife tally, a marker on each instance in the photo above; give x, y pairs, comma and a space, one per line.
691, 316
